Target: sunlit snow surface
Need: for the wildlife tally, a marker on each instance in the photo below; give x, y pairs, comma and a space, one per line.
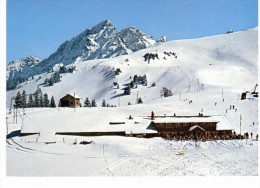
226, 62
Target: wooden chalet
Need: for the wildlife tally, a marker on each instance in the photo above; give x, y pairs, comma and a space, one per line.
70, 100
181, 126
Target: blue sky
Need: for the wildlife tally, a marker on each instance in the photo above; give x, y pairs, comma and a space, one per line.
38, 27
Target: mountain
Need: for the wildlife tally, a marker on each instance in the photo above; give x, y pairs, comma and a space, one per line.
162, 39
227, 61
18, 70
18, 67
100, 41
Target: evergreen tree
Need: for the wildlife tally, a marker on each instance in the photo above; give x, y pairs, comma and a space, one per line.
131, 84
41, 101
46, 101
166, 92
53, 105
37, 98
87, 103
46, 81
18, 100
103, 103
56, 77
30, 102
140, 101
144, 80
24, 99
127, 90
51, 81
93, 103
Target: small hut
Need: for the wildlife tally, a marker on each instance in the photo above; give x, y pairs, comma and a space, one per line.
70, 100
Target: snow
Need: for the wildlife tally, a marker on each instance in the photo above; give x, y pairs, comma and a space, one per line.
126, 156
194, 127
100, 41
202, 70
50, 121
74, 95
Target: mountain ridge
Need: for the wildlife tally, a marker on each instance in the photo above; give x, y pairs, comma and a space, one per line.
97, 42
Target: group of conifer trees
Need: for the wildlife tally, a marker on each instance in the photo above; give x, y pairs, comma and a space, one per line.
93, 103
37, 99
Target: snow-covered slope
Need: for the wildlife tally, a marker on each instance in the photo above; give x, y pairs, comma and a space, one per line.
22, 67
199, 72
228, 60
100, 41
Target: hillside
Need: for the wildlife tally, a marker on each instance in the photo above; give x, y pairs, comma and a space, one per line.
205, 75
226, 61
97, 42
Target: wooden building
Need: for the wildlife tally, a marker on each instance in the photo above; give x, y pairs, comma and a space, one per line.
69, 100
180, 126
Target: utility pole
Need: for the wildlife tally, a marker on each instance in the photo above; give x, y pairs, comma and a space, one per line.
74, 102
240, 126
222, 94
6, 125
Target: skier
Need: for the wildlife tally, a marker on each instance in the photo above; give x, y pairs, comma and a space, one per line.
251, 135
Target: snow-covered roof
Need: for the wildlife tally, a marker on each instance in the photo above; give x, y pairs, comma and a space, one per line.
185, 119
50, 121
222, 121
76, 96
194, 127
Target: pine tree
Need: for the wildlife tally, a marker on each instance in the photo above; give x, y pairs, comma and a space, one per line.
18, 99
37, 98
30, 102
46, 101
46, 81
51, 81
131, 84
127, 90
144, 80
93, 103
56, 77
140, 101
41, 101
87, 103
24, 99
53, 105
103, 103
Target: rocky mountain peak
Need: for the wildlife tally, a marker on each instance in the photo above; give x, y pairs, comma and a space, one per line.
162, 39
97, 42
